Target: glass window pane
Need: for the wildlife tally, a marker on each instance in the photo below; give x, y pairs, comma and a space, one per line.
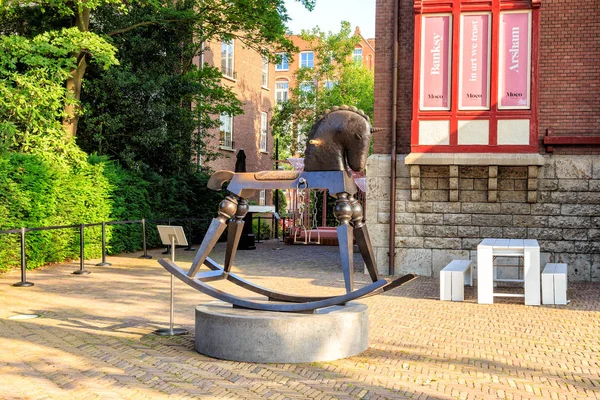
357, 55
227, 58
307, 59
283, 65
281, 91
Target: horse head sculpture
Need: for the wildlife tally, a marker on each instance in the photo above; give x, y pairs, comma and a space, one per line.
339, 139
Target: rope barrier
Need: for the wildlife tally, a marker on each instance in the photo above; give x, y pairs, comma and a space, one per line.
81, 228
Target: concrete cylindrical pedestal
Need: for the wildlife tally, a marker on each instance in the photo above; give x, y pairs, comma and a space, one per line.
272, 337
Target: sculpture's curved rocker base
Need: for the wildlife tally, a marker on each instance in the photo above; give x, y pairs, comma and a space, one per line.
265, 337
279, 301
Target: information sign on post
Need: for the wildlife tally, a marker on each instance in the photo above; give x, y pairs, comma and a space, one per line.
171, 236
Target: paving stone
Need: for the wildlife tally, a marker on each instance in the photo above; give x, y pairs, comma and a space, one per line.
94, 338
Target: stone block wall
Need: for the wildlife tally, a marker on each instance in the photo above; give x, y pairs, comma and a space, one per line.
431, 232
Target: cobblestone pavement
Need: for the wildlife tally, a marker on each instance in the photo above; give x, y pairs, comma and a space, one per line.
94, 338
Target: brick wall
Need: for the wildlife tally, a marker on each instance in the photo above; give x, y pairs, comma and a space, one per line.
256, 99
431, 232
570, 69
246, 127
384, 51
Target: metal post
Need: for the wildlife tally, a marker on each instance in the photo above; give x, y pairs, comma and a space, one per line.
258, 234
23, 282
103, 263
276, 191
167, 249
324, 211
172, 300
190, 248
144, 236
171, 331
277, 211
81, 270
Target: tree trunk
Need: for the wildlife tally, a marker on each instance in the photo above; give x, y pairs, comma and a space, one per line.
73, 85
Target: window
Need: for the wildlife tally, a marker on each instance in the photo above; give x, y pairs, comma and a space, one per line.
262, 197
265, 71
357, 55
474, 71
329, 84
227, 59
282, 65
307, 87
263, 131
307, 59
226, 132
281, 92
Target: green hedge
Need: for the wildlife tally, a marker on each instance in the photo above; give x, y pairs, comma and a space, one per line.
36, 192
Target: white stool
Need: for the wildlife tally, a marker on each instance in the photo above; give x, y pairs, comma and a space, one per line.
453, 278
554, 284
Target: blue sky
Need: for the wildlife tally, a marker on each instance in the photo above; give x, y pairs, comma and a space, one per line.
328, 14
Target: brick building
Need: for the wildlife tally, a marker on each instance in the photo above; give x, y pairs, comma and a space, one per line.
493, 110
364, 52
251, 78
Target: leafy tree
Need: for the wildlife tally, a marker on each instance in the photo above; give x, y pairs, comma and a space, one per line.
32, 91
147, 111
259, 24
335, 80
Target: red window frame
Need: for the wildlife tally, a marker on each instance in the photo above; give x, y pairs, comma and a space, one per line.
494, 114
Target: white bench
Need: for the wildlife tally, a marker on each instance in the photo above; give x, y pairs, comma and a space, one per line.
554, 284
453, 278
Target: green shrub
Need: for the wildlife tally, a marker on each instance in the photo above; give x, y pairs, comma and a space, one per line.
266, 230
39, 193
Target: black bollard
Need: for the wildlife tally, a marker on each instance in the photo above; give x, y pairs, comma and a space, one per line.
258, 234
81, 270
23, 282
144, 238
103, 263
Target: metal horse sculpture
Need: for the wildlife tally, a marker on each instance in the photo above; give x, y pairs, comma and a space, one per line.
338, 140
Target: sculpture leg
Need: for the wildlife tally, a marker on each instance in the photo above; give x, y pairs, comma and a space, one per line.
227, 210
343, 214
235, 228
363, 240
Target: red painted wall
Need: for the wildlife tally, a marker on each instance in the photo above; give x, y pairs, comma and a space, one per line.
569, 72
